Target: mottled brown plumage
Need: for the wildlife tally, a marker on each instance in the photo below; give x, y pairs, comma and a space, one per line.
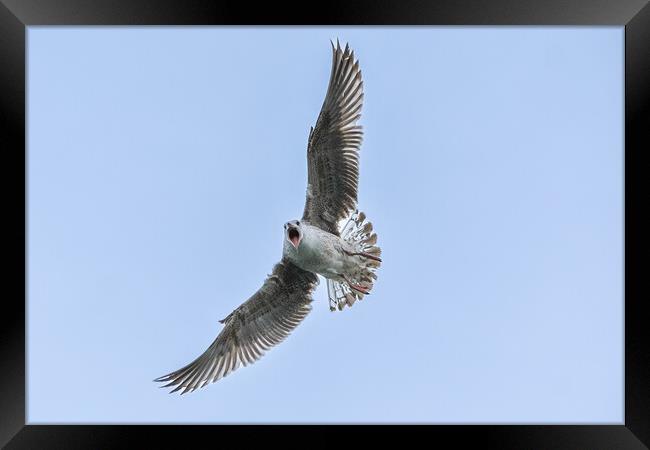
347, 259
333, 146
262, 321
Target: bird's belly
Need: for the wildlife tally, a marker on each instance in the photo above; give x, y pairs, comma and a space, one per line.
321, 257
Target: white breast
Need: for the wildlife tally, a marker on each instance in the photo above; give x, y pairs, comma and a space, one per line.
318, 252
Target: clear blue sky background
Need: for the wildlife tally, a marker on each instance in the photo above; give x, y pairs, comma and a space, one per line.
163, 162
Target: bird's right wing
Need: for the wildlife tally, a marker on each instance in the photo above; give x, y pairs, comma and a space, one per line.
261, 322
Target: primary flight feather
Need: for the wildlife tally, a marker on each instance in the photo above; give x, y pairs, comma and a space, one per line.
345, 255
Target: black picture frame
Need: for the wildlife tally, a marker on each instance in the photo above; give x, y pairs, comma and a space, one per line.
16, 15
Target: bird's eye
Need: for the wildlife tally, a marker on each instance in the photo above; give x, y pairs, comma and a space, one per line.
297, 222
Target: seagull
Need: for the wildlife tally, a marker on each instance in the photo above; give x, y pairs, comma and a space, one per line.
332, 239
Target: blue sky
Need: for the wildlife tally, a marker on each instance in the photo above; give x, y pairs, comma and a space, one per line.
492, 169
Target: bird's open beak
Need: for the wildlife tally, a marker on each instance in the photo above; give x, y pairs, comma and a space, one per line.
294, 237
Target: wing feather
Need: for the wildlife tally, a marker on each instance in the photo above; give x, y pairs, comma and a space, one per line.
333, 146
258, 324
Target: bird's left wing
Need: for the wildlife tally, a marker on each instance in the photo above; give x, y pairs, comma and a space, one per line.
333, 146
258, 324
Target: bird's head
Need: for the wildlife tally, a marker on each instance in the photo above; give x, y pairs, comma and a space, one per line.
293, 233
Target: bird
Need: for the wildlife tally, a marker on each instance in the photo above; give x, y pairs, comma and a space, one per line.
332, 239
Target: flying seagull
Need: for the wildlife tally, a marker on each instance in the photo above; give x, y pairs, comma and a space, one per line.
321, 242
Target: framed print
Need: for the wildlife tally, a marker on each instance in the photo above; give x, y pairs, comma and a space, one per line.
413, 219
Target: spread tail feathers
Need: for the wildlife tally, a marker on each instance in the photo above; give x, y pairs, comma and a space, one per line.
359, 233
